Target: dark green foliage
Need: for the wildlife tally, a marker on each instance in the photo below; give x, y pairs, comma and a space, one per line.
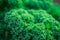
37, 4
10, 4
22, 26
29, 20
50, 23
15, 3
55, 11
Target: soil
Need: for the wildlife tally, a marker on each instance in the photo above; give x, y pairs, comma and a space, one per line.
57, 1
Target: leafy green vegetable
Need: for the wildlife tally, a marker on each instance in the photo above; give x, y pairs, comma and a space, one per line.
29, 20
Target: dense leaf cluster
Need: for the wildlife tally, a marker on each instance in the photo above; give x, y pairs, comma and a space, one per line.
29, 20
